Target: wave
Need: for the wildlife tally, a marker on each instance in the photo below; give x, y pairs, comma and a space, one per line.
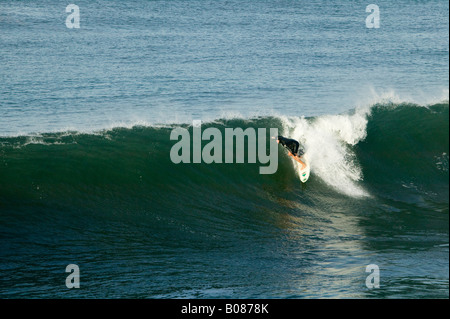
396, 151
407, 147
328, 141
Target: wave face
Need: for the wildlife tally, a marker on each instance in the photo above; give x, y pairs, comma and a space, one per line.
115, 195
358, 154
407, 148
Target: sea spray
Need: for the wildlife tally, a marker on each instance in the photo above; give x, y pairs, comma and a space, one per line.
328, 141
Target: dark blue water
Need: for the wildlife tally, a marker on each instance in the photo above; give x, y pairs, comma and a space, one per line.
86, 178
171, 61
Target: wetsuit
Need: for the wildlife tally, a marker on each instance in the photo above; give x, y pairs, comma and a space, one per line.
291, 145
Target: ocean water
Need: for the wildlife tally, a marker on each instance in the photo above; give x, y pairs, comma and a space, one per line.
86, 176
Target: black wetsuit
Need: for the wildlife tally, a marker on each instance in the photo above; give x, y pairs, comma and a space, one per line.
291, 145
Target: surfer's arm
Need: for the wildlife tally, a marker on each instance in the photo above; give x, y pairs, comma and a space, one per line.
297, 159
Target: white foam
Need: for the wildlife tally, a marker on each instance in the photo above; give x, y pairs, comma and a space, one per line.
327, 140
390, 96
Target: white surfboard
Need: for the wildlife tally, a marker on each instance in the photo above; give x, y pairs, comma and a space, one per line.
303, 173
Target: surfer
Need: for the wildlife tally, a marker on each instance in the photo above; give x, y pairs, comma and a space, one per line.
293, 147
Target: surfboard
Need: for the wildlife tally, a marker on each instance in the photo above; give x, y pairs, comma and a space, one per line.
303, 173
